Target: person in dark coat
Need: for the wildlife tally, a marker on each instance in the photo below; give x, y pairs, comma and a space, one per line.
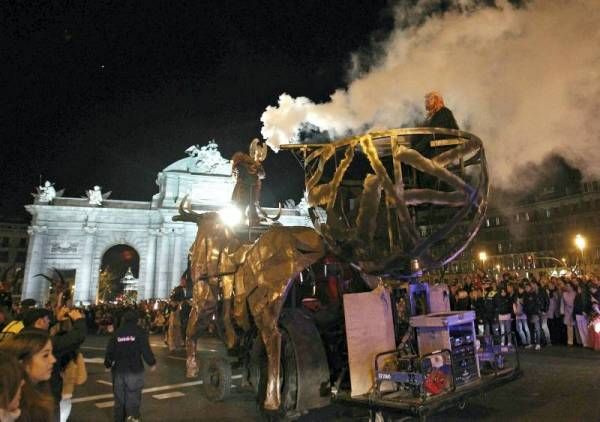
503, 304
532, 306
124, 353
438, 115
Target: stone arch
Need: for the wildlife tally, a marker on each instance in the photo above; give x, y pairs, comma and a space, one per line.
117, 261
136, 240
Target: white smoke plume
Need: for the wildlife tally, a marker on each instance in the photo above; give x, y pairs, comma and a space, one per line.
525, 79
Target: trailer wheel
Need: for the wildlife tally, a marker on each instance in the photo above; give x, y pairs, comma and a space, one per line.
462, 405
216, 379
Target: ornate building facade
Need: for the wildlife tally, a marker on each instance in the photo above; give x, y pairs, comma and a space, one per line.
73, 234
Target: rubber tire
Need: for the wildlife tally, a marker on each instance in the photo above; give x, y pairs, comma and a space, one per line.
216, 379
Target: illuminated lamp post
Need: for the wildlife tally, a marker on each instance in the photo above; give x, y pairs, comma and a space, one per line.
580, 243
483, 257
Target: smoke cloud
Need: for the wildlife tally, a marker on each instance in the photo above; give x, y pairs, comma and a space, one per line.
525, 79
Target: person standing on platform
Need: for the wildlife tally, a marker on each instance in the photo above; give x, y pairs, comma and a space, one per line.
124, 353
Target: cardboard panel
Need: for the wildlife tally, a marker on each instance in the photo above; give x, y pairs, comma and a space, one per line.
369, 330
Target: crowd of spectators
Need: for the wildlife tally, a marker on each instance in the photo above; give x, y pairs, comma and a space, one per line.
39, 351
543, 310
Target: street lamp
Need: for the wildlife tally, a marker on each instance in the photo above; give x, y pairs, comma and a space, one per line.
580, 243
483, 257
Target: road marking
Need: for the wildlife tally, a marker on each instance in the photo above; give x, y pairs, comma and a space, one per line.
176, 357
144, 391
158, 345
104, 382
236, 377
168, 395
93, 348
93, 360
105, 404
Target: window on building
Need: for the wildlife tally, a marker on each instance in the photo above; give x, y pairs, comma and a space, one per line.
497, 221
23, 242
487, 222
21, 256
500, 247
3, 256
547, 212
527, 216
4, 242
517, 217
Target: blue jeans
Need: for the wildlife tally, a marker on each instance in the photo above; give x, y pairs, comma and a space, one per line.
127, 389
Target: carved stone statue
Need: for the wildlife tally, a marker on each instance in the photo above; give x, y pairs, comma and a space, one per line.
45, 194
208, 159
95, 196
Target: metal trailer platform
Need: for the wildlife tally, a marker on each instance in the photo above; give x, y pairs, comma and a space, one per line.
422, 407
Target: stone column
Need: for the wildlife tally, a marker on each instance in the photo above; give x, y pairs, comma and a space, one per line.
83, 277
162, 279
33, 287
177, 257
149, 284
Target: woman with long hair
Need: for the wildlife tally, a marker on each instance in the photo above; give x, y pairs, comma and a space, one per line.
34, 351
12, 379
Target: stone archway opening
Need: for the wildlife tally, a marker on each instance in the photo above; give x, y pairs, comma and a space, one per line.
119, 263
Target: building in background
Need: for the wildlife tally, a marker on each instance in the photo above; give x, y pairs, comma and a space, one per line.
537, 233
13, 252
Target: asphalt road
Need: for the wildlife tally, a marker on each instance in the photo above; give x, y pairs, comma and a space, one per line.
559, 384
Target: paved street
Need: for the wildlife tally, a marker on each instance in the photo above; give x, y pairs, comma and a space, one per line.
560, 384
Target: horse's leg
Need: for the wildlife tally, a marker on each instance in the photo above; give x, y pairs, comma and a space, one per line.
267, 324
191, 332
230, 337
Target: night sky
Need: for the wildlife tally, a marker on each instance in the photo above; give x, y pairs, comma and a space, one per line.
111, 92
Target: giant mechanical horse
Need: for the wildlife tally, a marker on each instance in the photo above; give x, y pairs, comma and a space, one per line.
372, 223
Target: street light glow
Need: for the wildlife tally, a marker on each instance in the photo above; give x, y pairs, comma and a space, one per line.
482, 256
580, 242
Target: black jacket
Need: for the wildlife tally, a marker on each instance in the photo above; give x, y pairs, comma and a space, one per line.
503, 304
442, 118
126, 348
531, 304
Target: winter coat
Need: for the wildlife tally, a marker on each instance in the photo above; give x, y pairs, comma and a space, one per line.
503, 304
568, 299
125, 350
531, 304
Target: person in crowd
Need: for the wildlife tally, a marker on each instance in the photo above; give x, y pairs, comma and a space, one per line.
594, 324
16, 325
462, 300
521, 317
478, 307
580, 310
490, 316
544, 303
124, 354
503, 306
12, 379
65, 346
553, 312
531, 306
567, 307
34, 352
